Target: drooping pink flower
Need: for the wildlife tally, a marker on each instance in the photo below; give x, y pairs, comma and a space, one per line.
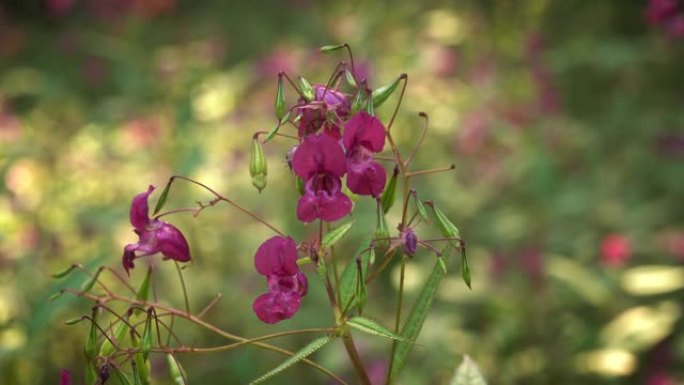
615, 250
319, 161
155, 236
276, 259
364, 135
327, 110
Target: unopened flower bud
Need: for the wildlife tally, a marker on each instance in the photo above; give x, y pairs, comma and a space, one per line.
409, 241
280, 107
258, 166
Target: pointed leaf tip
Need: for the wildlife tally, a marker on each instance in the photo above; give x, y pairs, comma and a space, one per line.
468, 373
162, 198
295, 358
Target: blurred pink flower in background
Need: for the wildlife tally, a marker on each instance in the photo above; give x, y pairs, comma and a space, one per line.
59, 7
615, 250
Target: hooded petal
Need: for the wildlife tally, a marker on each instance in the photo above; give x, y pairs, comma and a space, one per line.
128, 257
275, 307
364, 130
171, 243
277, 256
328, 205
318, 154
366, 178
139, 209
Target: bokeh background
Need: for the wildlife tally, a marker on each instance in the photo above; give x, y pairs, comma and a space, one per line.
563, 118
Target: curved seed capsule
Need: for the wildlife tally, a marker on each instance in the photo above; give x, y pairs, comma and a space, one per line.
175, 370
330, 48
381, 231
389, 195
279, 105
381, 94
258, 167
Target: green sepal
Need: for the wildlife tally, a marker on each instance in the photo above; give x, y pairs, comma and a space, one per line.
333, 236
307, 90
162, 198
279, 105
381, 94
388, 197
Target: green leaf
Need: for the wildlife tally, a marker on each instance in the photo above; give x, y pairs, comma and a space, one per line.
146, 340
279, 104
420, 207
123, 377
390, 193
381, 94
307, 90
361, 290
370, 108
91, 374
468, 373
300, 355
373, 328
119, 334
87, 285
465, 268
275, 129
65, 272
144, 291
330, 48
350, 274
414, 321
447, 228
162, 198
333, 236
175, 369
350, 78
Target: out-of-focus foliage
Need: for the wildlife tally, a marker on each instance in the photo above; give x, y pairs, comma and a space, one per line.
564, 120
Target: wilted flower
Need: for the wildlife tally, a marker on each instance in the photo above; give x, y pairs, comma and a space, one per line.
364, 135
409, 241
319, 161
276, 259
327, 103
155, 236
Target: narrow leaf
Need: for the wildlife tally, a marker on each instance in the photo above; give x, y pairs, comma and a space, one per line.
119, 334
465, 268
447, 228
330, 48
162, 198
275, 129
468, 373
390, 193
349, 277
414, 321
279, 104
333, 236
381, 94
300, 355
146, 340
123, 377
144, 291
307, 89
361, 290
373, 328
65, 272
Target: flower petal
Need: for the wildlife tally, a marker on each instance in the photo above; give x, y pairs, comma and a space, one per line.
129, 256
275, 307
139, 210
366, 178
277, 256
321, 205
171, 243
364, 130
319, 154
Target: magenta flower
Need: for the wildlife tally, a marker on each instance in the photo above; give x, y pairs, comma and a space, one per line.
364, 135
64, 377
276, 259
319, 161
659, 11
315, 114
155, 236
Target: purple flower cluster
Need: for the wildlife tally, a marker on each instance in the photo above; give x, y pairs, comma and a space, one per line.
334, 144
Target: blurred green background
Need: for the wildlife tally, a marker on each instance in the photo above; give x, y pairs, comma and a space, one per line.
564, 120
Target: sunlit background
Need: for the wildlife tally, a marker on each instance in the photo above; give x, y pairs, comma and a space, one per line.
563, 118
